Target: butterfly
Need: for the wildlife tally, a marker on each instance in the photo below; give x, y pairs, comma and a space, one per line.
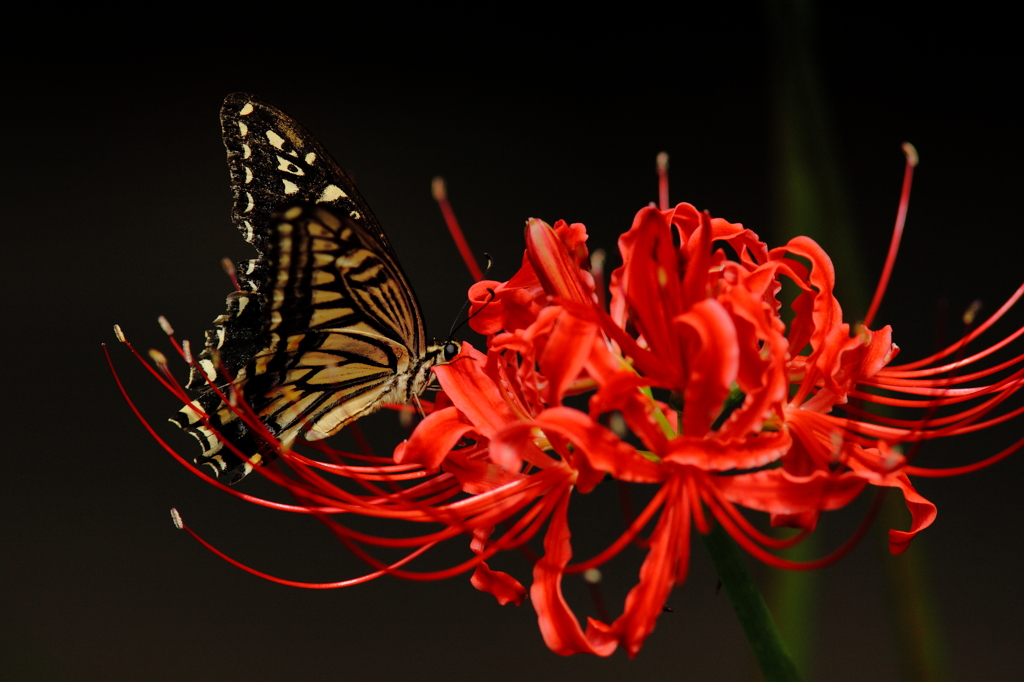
324, 327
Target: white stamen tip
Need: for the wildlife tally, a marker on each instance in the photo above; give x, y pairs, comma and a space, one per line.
176, 518
438, 189
592, 576
119, 334
662, 161
158, 357
618, 425
972, 311
911, 152
165, 325
186, 349
406, 419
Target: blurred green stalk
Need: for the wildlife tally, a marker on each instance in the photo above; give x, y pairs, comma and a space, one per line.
812, 202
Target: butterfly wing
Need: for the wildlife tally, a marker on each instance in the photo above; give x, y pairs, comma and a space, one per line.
325, 326
274, 163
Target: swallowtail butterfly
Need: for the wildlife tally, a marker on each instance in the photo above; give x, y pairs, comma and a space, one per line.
324, 327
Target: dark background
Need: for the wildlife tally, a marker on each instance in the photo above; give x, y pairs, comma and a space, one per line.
117, 201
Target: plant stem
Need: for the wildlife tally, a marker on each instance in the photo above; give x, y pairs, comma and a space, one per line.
756, 620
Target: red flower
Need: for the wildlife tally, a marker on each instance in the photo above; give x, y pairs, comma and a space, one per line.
732, 407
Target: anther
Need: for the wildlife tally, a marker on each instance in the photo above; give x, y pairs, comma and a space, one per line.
662, 162
119, 334
158, 357
165, 325
912, 158
186, 350
592, 576
972, 311
176, 518
438, 189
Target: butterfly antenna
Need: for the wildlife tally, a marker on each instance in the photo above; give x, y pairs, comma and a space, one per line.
456, 325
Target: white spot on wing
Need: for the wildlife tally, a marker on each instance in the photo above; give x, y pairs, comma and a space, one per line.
310, 158
248, 175
275, 139
355, 214
252, 202
246, 110
331, 193
289, 186
246, 151
243, 129
247, 236
289, 167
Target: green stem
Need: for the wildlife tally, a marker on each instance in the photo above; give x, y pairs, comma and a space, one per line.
756, 620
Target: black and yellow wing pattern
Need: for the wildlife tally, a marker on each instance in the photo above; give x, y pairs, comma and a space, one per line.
324, 327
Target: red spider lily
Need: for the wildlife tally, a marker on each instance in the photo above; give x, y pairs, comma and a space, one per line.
733, 409
749, 420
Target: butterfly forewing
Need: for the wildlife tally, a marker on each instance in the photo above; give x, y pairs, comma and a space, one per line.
325, 327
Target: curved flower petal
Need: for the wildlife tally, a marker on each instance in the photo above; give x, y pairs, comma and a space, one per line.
499, 584
433, 438
474, 393
664, 565
605, 451
722, 455
555, 268
558, 624
713, 364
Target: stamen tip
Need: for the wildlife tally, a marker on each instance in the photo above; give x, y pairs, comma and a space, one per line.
158, 357
119, 334
228, 266
186, 349
439, 189
662, 161
972, 311
176, 519
911, 152
165, 325
592, 576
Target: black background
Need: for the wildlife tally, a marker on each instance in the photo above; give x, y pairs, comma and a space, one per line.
117, 200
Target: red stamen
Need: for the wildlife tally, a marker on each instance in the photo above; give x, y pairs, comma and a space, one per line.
441, 196
897, 232
662, 163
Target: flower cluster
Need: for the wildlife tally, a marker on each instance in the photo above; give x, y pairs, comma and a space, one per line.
747, 421
694, 384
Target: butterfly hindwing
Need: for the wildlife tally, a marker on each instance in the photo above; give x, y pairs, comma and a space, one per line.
343, 329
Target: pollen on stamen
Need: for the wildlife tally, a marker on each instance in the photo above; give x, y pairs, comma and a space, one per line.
229, 268
158, 357
894, 459
911, 152
662, 163
617, 423
119, 334
176, 519
972, 312
165, 325
836, 441
406, 419
438, 189
592, 576
186, 351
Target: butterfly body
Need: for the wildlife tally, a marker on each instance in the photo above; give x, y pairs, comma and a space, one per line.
325, 327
